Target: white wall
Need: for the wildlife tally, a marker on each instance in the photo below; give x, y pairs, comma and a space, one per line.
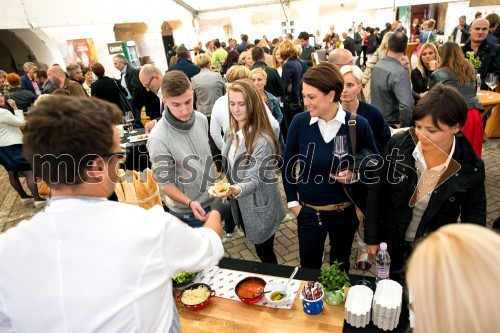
483, 9
102, 34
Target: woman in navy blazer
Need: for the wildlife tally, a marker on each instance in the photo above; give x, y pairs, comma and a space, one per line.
316, 195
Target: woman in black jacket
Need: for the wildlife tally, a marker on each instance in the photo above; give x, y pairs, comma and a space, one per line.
431, 177
427, 63
105, 88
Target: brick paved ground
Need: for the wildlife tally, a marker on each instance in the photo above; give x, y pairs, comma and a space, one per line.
286, 242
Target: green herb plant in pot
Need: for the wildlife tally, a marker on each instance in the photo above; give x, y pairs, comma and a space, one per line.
334, 280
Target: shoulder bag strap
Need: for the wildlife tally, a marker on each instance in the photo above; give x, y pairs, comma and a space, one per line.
352, 132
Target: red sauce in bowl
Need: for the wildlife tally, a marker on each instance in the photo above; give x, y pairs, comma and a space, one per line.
250, 289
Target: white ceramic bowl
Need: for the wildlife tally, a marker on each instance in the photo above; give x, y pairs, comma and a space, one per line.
274, 287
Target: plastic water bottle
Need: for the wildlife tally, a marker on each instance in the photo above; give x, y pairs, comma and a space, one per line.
383, 261
478, 83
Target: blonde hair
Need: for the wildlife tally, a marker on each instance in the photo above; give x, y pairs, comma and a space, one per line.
257, 123
357, 73
298, 48
203, 60
420, 64
260, 71
41, 98
237, 72
275, 62
287, 50
242, 57
263, 42
354, 70
453, 279
384, 44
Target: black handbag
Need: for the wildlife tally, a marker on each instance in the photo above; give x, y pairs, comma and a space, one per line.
362, 163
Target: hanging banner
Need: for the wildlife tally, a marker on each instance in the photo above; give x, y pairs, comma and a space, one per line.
82, 50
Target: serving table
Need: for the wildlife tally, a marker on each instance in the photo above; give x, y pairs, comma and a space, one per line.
224, 315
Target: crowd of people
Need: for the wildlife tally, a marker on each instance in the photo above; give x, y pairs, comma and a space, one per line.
252, 115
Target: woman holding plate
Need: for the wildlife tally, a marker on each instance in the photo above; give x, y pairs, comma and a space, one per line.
250, 155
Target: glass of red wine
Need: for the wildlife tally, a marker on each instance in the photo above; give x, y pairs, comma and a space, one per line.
363, 263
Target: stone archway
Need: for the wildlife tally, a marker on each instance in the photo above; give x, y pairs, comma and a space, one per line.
18, 46
167, 33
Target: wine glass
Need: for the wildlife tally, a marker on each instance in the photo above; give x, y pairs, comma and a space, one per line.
340, 146
126, 125
491, 81
129, 119
363, 263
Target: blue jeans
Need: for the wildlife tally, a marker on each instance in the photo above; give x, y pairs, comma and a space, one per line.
189, 218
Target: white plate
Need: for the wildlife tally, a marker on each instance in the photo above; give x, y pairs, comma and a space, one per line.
135, 138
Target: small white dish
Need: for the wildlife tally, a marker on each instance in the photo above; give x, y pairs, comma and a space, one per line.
274, 287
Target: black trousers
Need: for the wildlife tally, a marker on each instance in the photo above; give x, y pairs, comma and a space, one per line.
314, 226
290, 109
265, 251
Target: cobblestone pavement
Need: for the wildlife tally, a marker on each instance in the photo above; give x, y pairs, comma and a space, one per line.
286, 241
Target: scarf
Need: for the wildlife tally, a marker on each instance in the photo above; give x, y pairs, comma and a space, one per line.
176, 123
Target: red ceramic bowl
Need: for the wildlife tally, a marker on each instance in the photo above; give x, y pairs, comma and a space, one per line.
200, 305
250, 279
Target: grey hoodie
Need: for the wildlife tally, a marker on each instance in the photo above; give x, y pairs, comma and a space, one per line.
180, 155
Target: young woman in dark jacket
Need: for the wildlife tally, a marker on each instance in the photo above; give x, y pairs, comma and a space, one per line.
431, 177
456, 71
428, 60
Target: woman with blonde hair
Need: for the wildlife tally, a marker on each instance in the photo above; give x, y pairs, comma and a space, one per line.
252, 138
453, 280
456, 71
277, 61
350, 102
379, 54
427, 34
220, 116
428, 60
246, 59
259, 77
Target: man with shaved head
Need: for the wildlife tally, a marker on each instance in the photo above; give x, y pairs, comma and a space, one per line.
489, 53
348, 43
341, 58
57, 77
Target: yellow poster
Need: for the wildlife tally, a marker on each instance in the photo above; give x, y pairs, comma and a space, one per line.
82, 50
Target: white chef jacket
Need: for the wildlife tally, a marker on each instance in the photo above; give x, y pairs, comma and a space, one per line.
97, 266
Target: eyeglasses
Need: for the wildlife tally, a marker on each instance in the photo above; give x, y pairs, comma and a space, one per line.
342, 65
148, 86
122, 156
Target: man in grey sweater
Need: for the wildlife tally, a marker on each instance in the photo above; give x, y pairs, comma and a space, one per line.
390, 84
180, 154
